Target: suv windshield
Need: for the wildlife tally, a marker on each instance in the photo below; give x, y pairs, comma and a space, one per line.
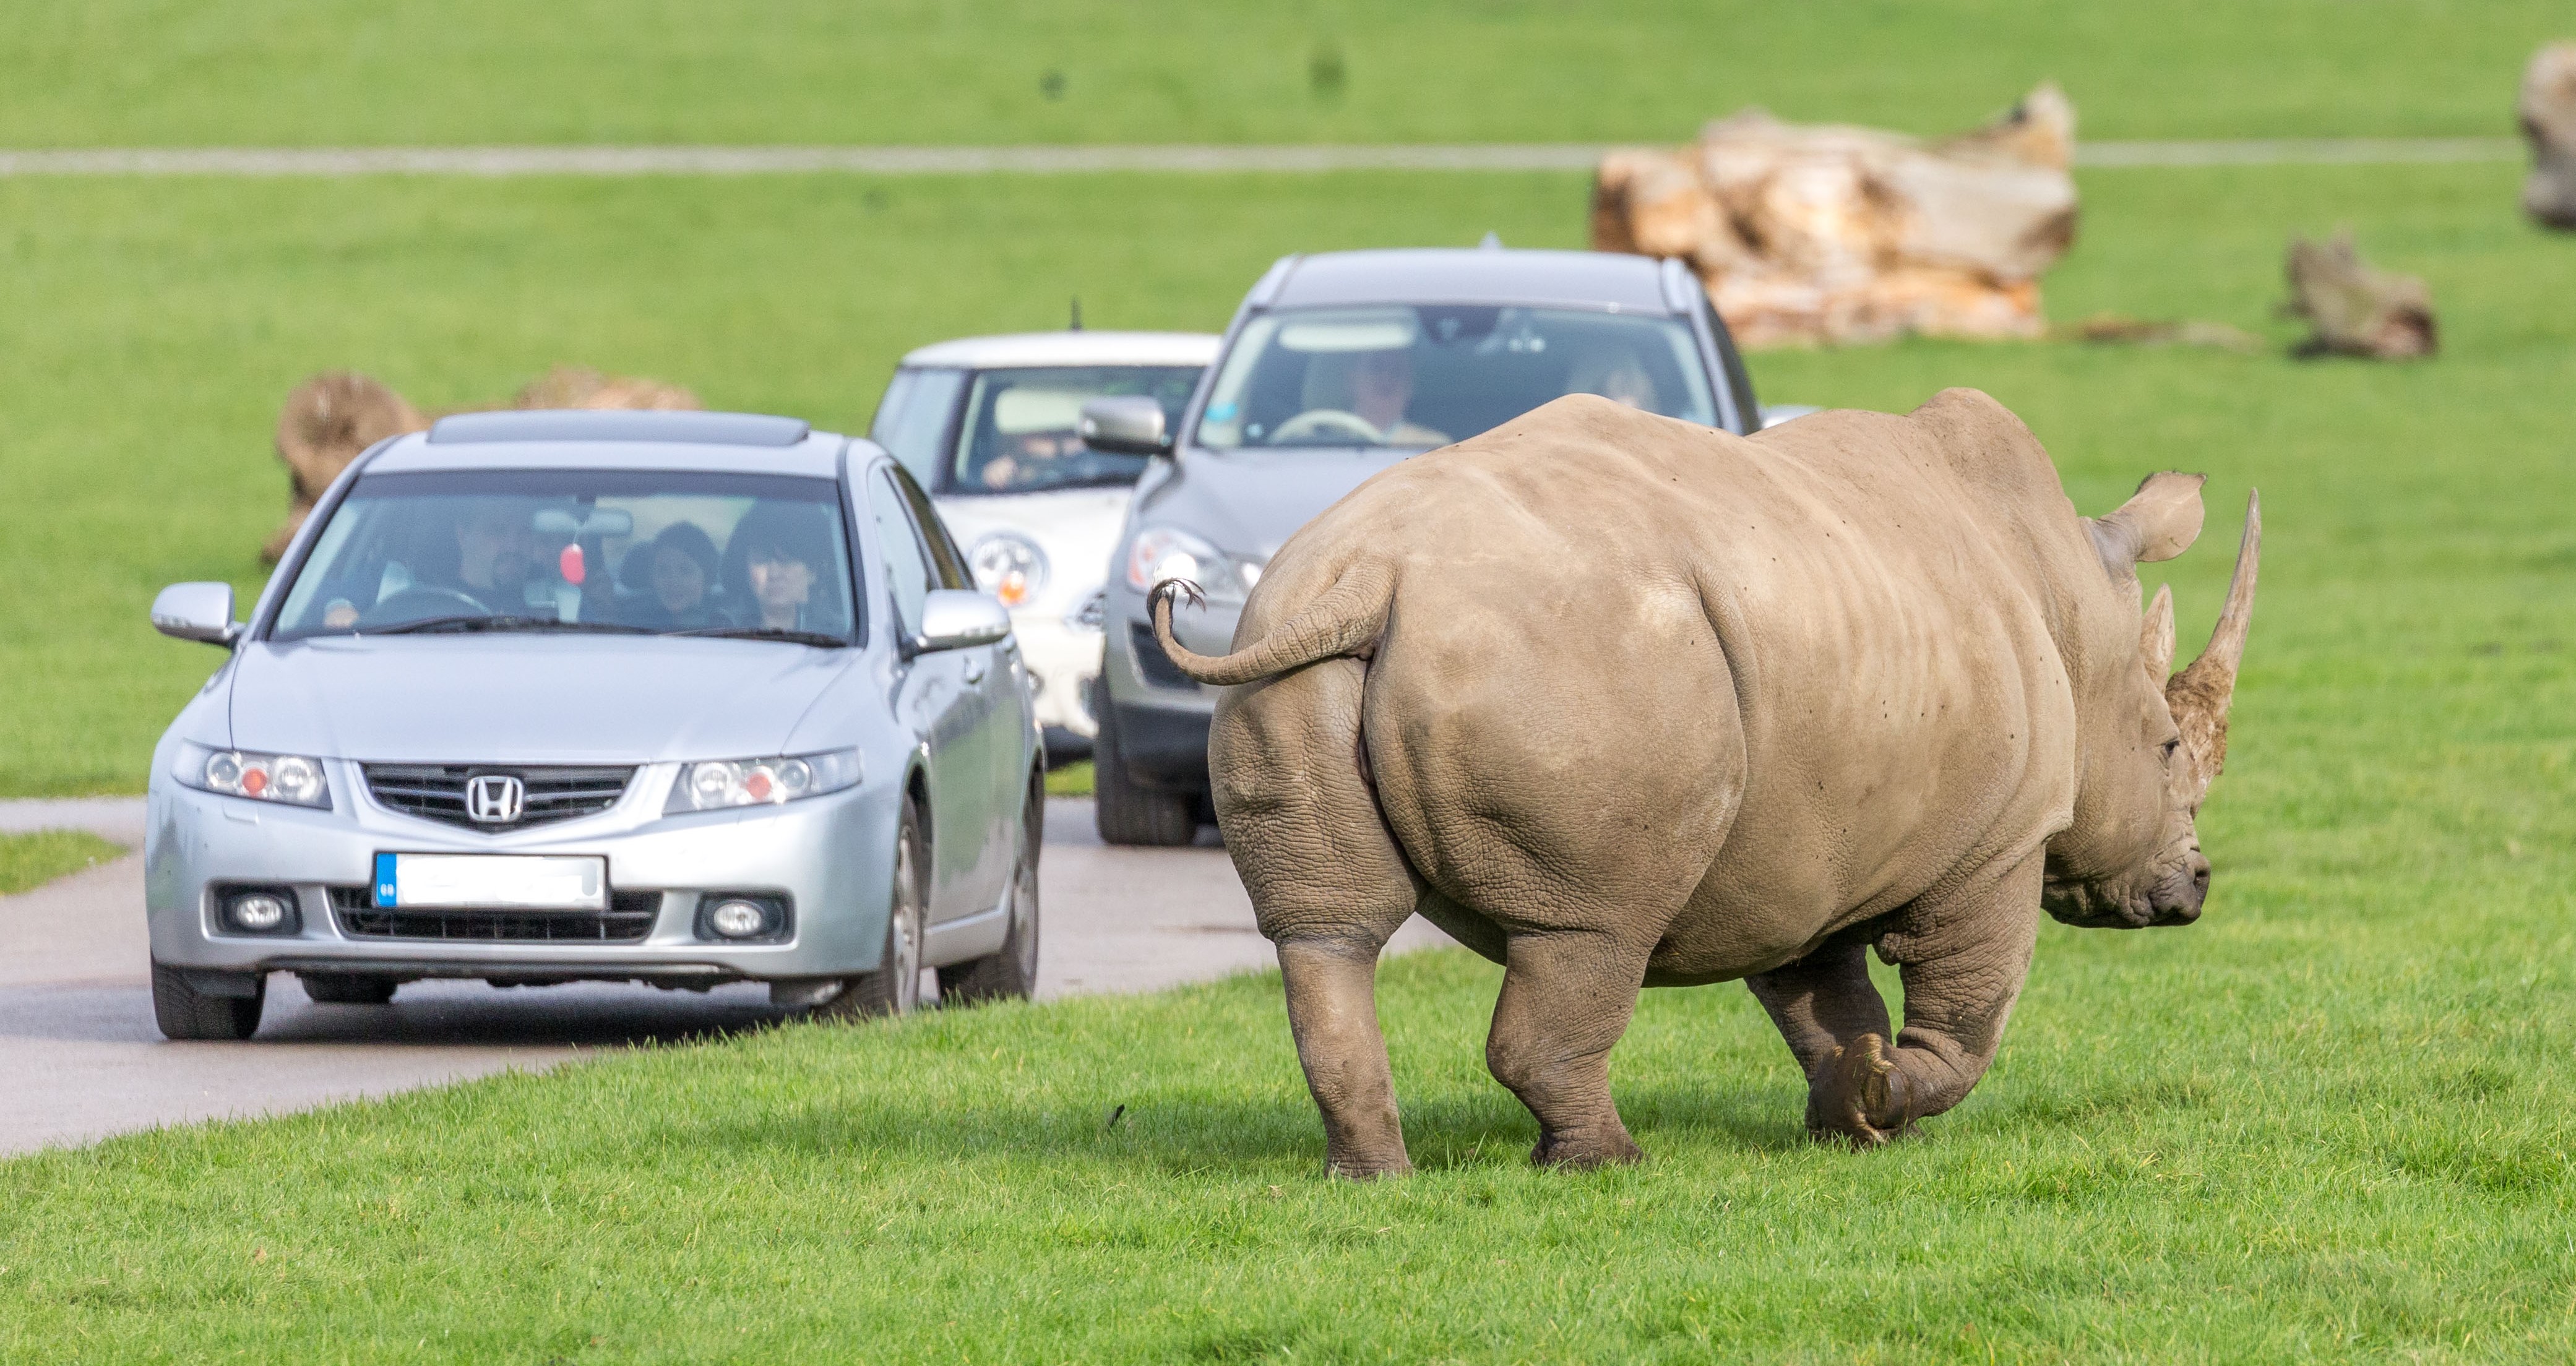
1426, 375
630, 551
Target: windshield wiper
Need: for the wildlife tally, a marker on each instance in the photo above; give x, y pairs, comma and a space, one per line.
474, 622
765, 633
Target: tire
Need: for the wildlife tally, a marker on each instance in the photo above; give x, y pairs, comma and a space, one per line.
347, 988
1012, 973
895, 987
1128, 814
186, 1013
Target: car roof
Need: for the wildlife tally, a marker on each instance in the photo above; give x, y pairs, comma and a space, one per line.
1021, 350
578, 439
1479, 275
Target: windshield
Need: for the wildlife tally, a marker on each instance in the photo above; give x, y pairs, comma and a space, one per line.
1018, 435
1427, 375
630, 551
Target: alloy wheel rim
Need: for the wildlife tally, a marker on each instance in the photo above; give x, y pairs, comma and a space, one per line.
905, 926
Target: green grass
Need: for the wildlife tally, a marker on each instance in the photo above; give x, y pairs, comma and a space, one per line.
1072, 780
31, 860
325, 72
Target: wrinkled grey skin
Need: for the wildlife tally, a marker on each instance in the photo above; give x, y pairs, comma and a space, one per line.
2548, 110
1620, 701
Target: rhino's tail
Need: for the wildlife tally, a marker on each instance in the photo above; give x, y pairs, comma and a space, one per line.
1346, 620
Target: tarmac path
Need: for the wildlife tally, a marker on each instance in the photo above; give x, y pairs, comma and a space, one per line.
80, 1057
1081, 160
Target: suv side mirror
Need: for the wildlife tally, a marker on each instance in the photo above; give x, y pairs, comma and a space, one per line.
197, 611
954, 618
1130, 424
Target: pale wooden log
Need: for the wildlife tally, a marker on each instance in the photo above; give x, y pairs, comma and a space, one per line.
2548, 111
2355, 308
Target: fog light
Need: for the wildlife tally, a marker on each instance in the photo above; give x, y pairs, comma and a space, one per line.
738, 919
259, 912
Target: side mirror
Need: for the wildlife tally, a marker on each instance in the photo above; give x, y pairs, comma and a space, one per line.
1131, 424
954, 618
197, 611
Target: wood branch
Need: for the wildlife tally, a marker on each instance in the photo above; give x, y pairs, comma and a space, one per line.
2548, 112
329, 419
1831, 233
2355, 308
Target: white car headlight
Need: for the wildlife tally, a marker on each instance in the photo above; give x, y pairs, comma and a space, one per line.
1162, 552
1010, 566
715, 784
290, 779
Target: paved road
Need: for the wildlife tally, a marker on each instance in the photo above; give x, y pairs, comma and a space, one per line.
80, 1058
1067, 160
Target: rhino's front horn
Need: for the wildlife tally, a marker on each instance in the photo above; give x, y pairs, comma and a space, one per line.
2199, 696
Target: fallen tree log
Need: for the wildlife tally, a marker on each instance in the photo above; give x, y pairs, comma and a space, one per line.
2355, 308
1829, 233
2548, 110
331, 417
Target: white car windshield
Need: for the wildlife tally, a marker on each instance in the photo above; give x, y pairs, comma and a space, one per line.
1018, 433
645, 552
1419, 376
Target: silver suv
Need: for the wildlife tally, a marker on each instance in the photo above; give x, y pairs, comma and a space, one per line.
1337, 366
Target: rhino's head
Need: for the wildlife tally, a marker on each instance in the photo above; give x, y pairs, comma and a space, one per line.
2152, 743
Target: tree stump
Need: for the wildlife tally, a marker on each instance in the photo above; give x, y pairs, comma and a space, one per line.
2355, 308
2549, 122
331, 417
1831, 233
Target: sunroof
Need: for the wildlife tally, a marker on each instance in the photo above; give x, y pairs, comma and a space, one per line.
571, 424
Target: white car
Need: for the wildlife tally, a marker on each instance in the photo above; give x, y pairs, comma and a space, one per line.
987, 425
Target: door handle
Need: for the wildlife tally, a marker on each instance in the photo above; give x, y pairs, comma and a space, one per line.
975, 670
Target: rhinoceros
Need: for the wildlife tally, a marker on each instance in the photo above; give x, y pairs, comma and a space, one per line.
1619, 701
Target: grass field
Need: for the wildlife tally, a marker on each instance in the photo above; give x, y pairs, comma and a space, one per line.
38, 857
2328, 1121
322, 72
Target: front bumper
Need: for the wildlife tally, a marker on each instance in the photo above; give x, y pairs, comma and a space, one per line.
1064, 662
829, 856
1162, 716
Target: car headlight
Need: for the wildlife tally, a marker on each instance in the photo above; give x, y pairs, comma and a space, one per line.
1163, 552
1010, 567
289, 779
715, 784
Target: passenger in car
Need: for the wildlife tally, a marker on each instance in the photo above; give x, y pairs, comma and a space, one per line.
1613, 371
675, 570
773, 555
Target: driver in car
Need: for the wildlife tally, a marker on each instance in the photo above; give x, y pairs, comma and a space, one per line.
1380, 385
496, 553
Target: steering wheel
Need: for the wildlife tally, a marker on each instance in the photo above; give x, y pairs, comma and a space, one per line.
419, 603
1325, 421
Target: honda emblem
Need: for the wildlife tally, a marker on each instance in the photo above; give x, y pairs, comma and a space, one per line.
495, 798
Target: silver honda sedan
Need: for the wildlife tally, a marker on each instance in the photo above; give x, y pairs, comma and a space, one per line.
682, 698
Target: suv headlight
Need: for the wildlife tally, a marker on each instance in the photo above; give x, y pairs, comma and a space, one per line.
1162, 552
1010, 566
713, 785
288, 779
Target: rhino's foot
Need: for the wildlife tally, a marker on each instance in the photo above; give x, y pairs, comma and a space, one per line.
1585, 1149
1858, 1096
1358, 1168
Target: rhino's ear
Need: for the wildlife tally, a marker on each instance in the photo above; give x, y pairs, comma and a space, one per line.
2156, 637
2159, 521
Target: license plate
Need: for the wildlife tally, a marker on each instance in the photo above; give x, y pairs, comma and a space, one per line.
518, 882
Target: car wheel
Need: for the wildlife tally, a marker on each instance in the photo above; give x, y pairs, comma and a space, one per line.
1011, 974
1126, 813
347, 988
187, 1013
895, 987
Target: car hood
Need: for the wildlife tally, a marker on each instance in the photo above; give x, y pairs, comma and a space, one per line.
1249, 502
528, 698
1077, 528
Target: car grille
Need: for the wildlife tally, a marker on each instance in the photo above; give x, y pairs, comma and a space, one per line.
629, 917
437, 791
1156, 666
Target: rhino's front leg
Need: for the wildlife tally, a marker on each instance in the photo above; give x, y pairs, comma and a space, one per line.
1566, 999
1332, 1011
1963, 959
1823, 1003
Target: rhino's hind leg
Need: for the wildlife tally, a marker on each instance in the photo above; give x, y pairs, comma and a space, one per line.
1962, 972
1567, 997
1328, 887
